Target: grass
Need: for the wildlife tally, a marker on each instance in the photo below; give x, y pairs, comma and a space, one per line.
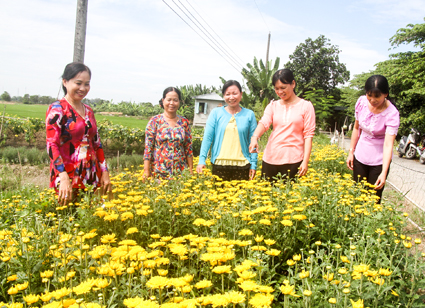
39, 111
23, 155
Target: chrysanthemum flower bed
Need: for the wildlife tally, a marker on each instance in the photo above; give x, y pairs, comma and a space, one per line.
195, 241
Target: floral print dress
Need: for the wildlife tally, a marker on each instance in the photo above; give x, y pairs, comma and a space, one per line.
166, 147
73, 145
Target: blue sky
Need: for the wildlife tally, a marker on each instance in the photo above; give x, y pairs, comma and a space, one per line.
137, 48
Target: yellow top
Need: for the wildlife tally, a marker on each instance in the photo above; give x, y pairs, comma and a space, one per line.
231, 151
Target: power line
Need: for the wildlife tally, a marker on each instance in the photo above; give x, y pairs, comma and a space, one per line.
238, 70
264, 20
209, 37
214, 32
262, 16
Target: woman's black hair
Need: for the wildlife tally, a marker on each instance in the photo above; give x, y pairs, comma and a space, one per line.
166, 91
377, 85
72, 70
230, 83
284, 76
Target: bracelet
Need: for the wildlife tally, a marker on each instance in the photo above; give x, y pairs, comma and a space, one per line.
255, 136
351, 150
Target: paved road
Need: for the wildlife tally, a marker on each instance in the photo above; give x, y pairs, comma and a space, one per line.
406, 175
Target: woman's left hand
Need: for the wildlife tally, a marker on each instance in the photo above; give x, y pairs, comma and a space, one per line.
303, 168
380, 182
105, 183
252, 173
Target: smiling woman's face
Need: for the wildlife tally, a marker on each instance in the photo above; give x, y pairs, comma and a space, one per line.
77, 87
232, 96
171, 102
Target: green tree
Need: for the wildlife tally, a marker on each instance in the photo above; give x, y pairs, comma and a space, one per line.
26, 99
323, 105
258, 80
406, 74
316, 65
5, 97
351, 93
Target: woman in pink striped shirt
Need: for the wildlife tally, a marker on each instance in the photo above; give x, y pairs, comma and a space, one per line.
289, 146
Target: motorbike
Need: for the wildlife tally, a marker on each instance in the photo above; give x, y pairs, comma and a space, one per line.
409, 145
421, 151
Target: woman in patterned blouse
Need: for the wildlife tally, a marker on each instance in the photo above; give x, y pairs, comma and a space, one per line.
73, 144
168, 143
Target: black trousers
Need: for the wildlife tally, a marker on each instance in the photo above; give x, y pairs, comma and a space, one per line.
230, 173
371, 173
287, 171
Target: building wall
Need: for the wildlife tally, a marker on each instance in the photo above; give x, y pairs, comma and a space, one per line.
200, 118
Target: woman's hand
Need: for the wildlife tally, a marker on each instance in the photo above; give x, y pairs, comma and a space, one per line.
65, 188
252, 173
380, 182
105, 183
253, 146
200, 168
350, 160
303, 168
146, 174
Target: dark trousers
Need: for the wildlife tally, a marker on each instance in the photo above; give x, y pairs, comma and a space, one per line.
287, 171
371, 173
230, 173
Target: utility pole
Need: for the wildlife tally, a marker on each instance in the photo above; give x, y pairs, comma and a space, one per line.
267, 56
80, 31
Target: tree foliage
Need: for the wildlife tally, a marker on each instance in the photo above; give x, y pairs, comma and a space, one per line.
5, 97
258, 79
406, 74
411, 34
316, 65
323, 105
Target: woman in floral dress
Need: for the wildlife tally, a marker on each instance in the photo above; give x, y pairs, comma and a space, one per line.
73, 143
168, 143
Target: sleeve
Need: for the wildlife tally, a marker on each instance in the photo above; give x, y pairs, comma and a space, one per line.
100, 154
54, 117
309, 120
392, 122
150, 134
208, 138
358, 108
267, 118
187, 139
253, 126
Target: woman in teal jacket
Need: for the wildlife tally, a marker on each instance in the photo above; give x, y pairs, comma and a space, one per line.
229, 130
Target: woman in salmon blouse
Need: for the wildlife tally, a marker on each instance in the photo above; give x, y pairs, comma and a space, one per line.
289, 146
73, 143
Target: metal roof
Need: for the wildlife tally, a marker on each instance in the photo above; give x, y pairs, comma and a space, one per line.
211, 96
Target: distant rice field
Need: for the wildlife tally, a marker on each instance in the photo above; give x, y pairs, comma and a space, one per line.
39, 111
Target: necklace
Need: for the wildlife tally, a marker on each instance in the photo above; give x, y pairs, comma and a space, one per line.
81, 110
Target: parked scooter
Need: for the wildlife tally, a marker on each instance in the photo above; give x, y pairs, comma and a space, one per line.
409, 145
421, 151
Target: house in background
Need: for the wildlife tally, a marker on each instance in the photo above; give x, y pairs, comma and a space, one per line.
204, 104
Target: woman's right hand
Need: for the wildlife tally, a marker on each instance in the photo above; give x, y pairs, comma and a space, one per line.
350, 160
146, 174
253, 146
200, 168
65, 188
